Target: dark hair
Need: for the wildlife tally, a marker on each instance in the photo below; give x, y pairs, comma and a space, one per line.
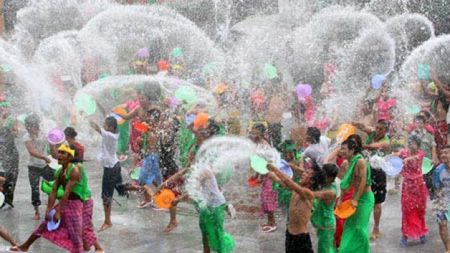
331, 170
444, 102
314, 134
318, 178
154, 113
421, 118
70, 132
110, 121
260, 127
384, 123
32, 121
426, 113
354, 142
75, 158
213, 127
415, 139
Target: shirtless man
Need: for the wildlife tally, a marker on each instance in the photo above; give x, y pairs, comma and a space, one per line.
298, 239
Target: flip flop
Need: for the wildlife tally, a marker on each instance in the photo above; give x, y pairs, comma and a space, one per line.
268, 229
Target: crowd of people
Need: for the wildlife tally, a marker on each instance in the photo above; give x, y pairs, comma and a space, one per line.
159, 140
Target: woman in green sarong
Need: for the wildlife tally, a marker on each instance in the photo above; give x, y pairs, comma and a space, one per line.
355, 237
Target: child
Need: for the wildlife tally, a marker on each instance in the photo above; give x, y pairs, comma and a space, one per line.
36, 145
212, 216
3, 232
150, 172
112, 177
323, 215
414, 193
71, 134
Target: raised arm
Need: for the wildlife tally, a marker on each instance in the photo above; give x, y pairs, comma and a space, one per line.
131, 114
302, 191
34, 153
363, 127
383, 144
328, 196
95, 126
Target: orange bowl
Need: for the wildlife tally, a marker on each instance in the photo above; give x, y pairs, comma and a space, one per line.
201, 120
164, 199
345, 209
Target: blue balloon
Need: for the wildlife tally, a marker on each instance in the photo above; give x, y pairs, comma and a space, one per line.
377, 81
396, 165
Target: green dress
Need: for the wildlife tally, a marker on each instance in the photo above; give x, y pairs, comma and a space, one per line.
355, 238
211, 221
324, 222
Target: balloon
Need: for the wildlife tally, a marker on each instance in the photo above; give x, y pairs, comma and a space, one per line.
270, 71
220, 88
415, 109
427, 165
143, 53
377, 81
135, 173
187, 94
177, 52
344, 131
394, 165
303, 90
85, 103
6, 67
258, 164
423, 71
201, 120
345, 209
164, 199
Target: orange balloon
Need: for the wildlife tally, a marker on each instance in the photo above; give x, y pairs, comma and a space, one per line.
345, 209
344, 131
164, 199
201, 120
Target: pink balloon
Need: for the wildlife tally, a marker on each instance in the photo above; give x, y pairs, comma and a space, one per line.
143, 53
303, 90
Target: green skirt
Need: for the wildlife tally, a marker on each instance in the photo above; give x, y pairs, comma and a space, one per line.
325, 240
124, 137
355, 238
211, 225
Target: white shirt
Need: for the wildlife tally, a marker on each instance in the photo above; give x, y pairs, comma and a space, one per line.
109, 148
318, 151
39, 144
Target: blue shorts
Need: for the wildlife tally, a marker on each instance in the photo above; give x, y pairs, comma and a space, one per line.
150, 172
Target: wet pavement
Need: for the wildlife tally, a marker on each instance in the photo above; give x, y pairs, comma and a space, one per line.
140, 230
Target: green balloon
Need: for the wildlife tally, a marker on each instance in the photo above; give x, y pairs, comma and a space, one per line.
259, 164
135, 173
177, 52
85, 103
423, 72
270, 71
187, 94
427, 165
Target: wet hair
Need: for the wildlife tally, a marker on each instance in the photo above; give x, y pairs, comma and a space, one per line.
32, 121
260, 127
384, 123
75, 158
70, 132
354, 143
426, 113
330, 170
314, 134
421, 118
111, 122
318, 177
414, 138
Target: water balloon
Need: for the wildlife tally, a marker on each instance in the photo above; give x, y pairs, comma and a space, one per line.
143, 53
186, 94
377, 81
177, 52
303, 90
270, 71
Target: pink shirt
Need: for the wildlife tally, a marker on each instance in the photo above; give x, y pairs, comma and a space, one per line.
383, 108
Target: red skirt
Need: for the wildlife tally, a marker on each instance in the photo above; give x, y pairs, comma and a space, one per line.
414, 204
